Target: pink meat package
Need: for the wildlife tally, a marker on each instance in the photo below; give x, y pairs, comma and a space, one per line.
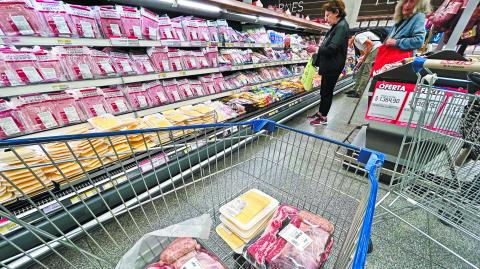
159, 58
156, 93
202, 61
196, 87
189, 60
219, 82
141, 63
149, 22
208, 84
190, 27
56, 18
211, 53
65, 108
76, 61
49, 66
186, 252
102, 64
177, 27
203, 31
110, 21
36, 112
170, 86
166, 30
91, 101
122, 62
83, 19
137, 96
116, 101
293, 239
212, 31
11, 123
130, 17
185, 88
21, 68
175, 59
18, 18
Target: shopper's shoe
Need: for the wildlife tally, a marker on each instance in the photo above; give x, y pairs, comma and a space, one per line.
314, 116
350, 92
354, 95
321, 120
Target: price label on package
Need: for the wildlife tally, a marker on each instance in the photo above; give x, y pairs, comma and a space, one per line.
388, 100
296, 237
193, 263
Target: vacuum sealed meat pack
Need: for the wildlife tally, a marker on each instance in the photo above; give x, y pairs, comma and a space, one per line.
102, 64
149, 23
141, 63
20, 68
65, 108
110, 22
170, 86
166, 30
292, 239
91, 101
56, 18
156, 93
36, 111
122, 62
196, 87
175, 58
83, 19
177, 27
159, 58
202, 61
76, 61
211, 53
189, 60
49, 66
130, 17
137, 96
115, 100
185, 88
11, 123
18, 18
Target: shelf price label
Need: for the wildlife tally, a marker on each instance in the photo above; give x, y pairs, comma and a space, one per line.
125, 42
162, 75
64, 41
60, 87
388, 100
228, 44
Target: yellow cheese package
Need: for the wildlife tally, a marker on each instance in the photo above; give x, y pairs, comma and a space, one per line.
248, 235
249, 209
232, 240
106, 123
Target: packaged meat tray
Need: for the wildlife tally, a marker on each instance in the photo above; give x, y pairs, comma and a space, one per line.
149, 22
18, 18
131, 22
293, 239
83, 19
110, 21
56, 18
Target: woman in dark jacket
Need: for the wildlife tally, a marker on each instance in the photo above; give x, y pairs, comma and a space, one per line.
331, 57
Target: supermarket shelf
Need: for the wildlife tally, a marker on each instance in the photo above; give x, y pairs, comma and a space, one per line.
124, 42
148, 111
59, 86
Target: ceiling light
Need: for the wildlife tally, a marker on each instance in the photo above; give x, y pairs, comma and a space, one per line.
268, 20
196, 5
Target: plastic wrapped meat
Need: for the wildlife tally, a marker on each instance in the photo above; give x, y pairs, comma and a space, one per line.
21, 67
211, 53
175, 59
49, 66
190, 27
91, 101
102, 64
65, 108
142, 64
36, 112
185, 88
171, 90
189, 60
137, 96
110, 21
83, 19
212, 31
202, 61
293, 239
116, 101
159, 58
196, 87
166, 30
156, 93
56, 18
76, 61
130, 17
18, 18
11, 123
177, 27
149, 22
123, 63
203, 31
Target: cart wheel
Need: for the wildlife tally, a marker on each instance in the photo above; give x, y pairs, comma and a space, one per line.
370, 246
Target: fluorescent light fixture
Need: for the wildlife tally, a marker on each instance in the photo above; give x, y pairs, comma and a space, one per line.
268, 20
200, 6
289, 24
166, 1
245, 16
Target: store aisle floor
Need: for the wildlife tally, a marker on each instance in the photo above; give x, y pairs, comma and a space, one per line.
396, 244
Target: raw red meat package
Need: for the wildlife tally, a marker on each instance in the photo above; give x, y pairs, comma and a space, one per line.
123, 63
137, 96
203, 31
189, 60
21, 67
159, 57
83, 19
190, 27
196, 87
36, 111
76, 61
219, 82
65, 108
149, 22
177, 27
156, 93
11, 123
208, 84
55, 17
175, 59
170, 86
91, 101
110, 22
18, 18
142, 64
185, 252
49, 66
130, 17
116, 101
102, 64
184, 88
166, 30
212, 31
211, 53
202, 61
293, 239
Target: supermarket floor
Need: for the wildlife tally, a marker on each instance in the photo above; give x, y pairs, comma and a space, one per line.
395, 244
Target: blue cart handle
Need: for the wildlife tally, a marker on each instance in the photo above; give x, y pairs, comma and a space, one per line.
463, 66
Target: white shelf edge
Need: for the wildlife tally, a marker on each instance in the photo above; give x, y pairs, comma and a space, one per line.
59, 86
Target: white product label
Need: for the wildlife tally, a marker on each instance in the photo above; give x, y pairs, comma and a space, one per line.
107, 67
48, 73
99, 110
152, 32
71, 113
87, 29
22, 25
194, 35
176, 96
85, 71
296, 237
192, 264
115, 29
215, 37
193, 62
8, 126
168, 34
166, 65
47, 119
386, 103
12, 78
137, 31
142, 101
234, 208
188, 91
148, 67
162, 97
32, 74
211, 89
180, 36
126, 66
61, 25
121, 106
178, 65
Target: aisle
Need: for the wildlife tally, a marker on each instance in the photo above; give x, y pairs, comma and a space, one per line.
396, 245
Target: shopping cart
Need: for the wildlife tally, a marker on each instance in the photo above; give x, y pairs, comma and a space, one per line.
130, 194
440, 152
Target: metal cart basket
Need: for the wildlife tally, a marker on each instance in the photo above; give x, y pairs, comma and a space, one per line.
171, 175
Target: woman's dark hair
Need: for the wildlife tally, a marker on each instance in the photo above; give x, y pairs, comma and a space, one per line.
335, 6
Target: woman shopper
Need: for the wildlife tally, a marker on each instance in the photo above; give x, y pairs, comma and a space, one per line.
331, 57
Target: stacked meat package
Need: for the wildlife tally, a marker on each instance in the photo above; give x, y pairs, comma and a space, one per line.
291, 238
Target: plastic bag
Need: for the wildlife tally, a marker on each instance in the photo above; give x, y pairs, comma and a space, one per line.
308, 74
149, 247
18, 18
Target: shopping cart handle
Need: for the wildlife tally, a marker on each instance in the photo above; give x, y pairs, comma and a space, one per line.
418, 63
452, 65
